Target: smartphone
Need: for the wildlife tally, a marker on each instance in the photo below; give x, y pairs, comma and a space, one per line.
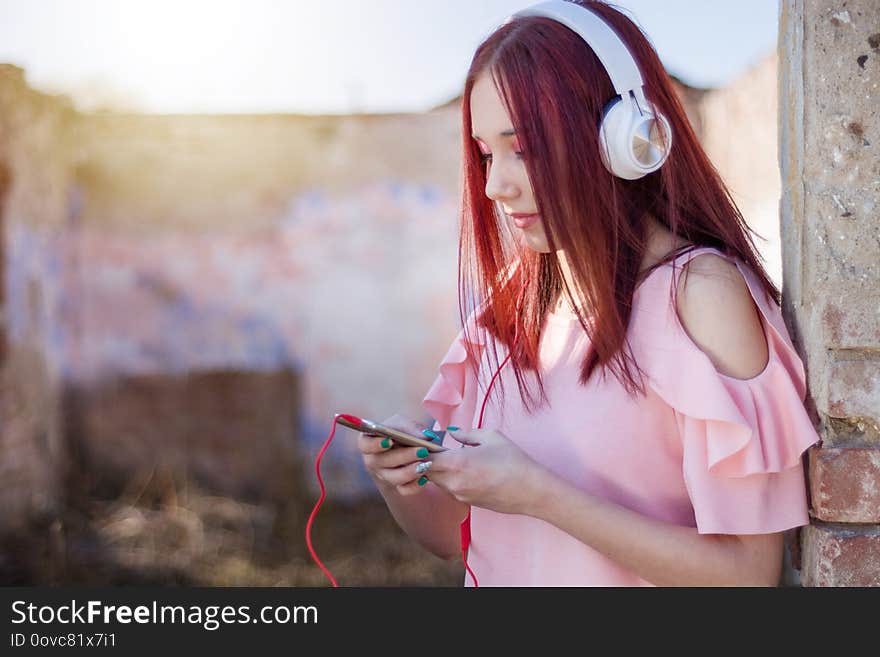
401, 438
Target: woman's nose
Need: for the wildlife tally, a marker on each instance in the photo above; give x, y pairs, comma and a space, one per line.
498, 185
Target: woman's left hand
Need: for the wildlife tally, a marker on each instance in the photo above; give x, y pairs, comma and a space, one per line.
491, 472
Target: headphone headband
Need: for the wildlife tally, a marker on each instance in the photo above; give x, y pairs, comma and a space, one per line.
605, 42
634, 139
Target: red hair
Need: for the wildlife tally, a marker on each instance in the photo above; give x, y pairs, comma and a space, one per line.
555, 88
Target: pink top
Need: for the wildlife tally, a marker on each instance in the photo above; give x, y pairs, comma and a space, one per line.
702, 449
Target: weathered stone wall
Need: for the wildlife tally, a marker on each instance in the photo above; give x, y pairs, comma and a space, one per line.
234, 432
829, 132
323, 245
34, 169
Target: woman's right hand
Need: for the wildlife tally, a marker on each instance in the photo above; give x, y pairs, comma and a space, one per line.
395, 464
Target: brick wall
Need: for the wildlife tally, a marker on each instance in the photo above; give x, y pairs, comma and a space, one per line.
829, 131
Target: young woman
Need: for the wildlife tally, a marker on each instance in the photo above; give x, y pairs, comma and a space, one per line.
647, 423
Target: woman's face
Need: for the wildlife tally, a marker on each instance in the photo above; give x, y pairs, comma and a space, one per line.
506, 179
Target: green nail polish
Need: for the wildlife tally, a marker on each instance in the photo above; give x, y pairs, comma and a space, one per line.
386, 442
423, 481
430, 434
422, 453
452, 428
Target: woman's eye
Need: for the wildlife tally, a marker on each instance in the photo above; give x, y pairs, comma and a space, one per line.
485, 157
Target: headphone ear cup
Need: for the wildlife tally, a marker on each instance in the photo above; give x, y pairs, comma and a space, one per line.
651, 142
616, 121
631, 145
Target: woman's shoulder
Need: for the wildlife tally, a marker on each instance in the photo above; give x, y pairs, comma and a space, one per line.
716, 308
706, 302
700, 302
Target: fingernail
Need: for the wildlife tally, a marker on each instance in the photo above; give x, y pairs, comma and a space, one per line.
430, 434
423, 481
422, 453
452, 428
386, 442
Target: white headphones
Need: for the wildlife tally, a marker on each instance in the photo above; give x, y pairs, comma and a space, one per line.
631, 143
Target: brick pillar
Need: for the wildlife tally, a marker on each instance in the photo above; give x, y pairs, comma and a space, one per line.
829, 134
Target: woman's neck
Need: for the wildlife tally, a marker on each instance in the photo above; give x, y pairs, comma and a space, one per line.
562, 303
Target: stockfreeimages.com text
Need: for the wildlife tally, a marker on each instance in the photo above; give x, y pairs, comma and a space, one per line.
210, 617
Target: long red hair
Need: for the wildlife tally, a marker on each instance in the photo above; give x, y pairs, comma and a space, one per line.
555, 88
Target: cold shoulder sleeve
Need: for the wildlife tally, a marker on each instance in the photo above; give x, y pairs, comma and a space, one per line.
452, 397
742, 439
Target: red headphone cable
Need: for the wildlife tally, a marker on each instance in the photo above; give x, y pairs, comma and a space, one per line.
320, 501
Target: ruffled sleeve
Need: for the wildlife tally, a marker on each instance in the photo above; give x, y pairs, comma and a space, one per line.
452, 397
742, 440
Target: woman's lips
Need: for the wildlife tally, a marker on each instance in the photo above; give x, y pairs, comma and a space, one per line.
524, 221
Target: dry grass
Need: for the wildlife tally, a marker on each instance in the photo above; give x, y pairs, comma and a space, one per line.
146, 536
